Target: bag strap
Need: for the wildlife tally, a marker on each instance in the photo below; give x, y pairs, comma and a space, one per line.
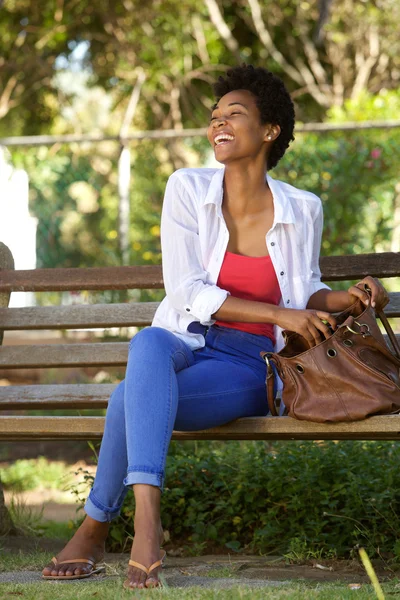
390, 332
386, 324
266, 356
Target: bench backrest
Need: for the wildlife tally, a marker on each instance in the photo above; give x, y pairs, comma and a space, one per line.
82, 396
139, 314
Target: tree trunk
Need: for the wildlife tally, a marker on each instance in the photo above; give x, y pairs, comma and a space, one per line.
6, 524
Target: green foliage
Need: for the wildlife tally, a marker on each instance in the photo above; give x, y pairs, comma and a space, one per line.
355, 173
76, 201
181, 48
70, 199
355, 176
29, 474
305, 499
26, 519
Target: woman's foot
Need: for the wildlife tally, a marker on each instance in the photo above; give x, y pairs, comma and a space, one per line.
145, 551
88, 542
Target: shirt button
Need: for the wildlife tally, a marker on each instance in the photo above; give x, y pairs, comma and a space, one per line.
287, 301
282, 272
272, 243
187, 309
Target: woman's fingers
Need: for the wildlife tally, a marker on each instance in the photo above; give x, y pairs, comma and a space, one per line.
328, 319
360, 293
379, 295
314, 336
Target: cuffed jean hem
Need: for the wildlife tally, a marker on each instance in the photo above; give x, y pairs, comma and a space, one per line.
155, 479
98, 512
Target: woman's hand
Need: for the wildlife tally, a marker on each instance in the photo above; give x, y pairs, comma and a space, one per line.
313, 325
379, 296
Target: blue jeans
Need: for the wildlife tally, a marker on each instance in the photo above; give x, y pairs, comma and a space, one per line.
169, 386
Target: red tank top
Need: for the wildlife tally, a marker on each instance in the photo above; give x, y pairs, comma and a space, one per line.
250, 278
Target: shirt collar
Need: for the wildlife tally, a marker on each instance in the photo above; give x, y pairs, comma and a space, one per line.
282, 206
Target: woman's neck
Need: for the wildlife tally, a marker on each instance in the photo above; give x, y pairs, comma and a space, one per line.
246, 190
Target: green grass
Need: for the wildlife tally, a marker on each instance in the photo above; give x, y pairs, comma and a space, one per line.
225, 572
28, 561
113, 590
57, 530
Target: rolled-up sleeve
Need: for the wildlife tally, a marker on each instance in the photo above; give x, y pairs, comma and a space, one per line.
185, 278
315, 283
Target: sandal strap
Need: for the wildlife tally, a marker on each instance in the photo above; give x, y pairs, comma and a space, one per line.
158, 563
74, 560
133, 563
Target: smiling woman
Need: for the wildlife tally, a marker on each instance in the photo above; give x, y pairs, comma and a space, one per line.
266, 101
240, 254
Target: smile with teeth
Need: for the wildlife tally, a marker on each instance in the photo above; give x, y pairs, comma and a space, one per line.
223, 138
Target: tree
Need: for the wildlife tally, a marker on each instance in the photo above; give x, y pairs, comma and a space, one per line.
32, 35
6, 262
325, 55
6, 524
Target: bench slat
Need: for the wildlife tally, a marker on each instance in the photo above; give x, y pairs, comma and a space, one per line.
342, 268
102, 315
249, 428
333, 268
69, 355
94, 278
59, 396
78, 316
64, 355
393, 308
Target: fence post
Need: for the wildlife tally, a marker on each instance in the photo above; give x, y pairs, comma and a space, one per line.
124, 181
124, 170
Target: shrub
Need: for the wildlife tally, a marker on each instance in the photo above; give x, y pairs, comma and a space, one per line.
260, 497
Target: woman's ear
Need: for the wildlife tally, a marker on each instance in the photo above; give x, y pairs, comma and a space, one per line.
272, 133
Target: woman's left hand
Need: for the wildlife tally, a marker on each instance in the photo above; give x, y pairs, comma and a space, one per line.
379, 296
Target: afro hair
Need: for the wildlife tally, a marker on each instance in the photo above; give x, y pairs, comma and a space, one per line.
272, 99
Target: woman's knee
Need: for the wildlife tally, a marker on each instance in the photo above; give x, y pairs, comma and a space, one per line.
151, 340
116, 401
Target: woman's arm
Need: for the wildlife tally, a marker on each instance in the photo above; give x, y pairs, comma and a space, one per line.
308, 323
330, 301
185, 278
323, 298
340, 300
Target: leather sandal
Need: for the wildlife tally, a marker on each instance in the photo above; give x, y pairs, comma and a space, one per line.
147, 570
95, 568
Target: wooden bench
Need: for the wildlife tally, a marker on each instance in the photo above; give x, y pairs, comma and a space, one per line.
88, 396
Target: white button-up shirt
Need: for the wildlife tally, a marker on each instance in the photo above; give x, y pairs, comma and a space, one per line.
194, 238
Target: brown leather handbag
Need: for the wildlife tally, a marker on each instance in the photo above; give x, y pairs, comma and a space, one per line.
347, 377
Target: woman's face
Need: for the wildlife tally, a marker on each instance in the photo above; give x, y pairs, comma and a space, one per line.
235, 131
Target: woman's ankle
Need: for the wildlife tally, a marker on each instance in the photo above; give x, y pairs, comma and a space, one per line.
95, 528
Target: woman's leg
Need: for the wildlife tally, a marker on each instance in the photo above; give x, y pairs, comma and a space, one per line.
224, 382
151, 399
109, 489
106, 496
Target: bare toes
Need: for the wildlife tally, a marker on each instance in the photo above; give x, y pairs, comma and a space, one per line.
152, 582
136, 579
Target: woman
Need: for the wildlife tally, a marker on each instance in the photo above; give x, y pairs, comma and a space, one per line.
240, 263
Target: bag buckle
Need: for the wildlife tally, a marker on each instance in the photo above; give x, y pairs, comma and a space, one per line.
364, 329
270, 371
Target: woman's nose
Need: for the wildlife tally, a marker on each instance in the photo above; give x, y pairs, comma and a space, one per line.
218, 120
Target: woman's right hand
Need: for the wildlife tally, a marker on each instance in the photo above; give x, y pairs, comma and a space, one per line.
308, 323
